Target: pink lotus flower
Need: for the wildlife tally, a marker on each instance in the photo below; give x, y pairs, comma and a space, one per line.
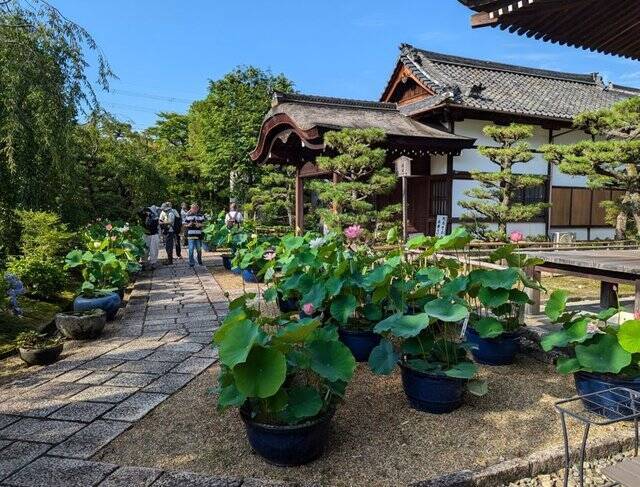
109, 227
516, 237
113, 238
593, 328
353, 232
308, 308
269, 255
636, 315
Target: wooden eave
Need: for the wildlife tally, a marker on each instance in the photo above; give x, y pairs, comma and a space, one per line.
399, 76
606, 26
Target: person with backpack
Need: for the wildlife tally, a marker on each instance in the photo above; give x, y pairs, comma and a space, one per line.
150, 222
233, 218
169, 221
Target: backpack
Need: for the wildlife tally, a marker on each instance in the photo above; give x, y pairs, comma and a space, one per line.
177, 222
151, 223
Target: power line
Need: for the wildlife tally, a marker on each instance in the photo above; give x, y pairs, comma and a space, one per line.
171, 99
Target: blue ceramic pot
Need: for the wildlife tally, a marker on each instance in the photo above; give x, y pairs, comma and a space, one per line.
226, 261
432, 393
501, 350
249, 276
288, 305
205, 246
236, 270
109, 303
359, 342
287, 446
611, 404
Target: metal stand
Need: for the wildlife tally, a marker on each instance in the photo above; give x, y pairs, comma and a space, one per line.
599, 409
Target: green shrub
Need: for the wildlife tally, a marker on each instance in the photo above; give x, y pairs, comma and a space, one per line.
43, 234
43, 277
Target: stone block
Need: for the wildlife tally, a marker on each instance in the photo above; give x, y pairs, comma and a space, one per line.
169, 356
40, 430
49, 471
194, 365
6, 420
86, 442
132, 477
97, 377
188, 479
111, 394
169, 383
145, 367
131, 379
81, 411
18, 454
136, 407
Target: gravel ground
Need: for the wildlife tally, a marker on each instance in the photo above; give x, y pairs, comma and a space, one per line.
376, 438
592, 475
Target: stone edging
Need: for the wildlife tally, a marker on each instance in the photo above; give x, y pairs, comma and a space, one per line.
544, 462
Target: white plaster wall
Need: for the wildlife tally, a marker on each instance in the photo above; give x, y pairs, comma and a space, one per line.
438, 164
459, 187
603, 233
558, 178
528, 229
581, 233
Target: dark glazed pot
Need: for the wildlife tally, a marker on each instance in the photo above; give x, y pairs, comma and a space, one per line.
432, 393
359, 342
612, 404
501, 350
43, 356
287, 305
108, 303
287, 446
226, 261
81, 326
249, 276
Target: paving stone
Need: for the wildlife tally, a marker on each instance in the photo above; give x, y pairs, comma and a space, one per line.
174, 335
181, 347
86, 442
169, 383
207, 352
53, 390
102, 364
105, 394
19, 454
132, 477
194, 365
40, 430
130, 353
136, 407
97, 377
81, 411
6, 420
145, 367
130, 379
49, 471
188, 479
4, 443
201, 338
72, 376
169, 356
32, 408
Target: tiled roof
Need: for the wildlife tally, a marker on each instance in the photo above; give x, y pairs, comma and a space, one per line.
497, 87
309, 112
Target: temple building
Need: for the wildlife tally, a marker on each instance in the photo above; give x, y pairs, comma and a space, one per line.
433, 110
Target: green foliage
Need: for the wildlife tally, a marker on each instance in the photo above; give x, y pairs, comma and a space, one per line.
495, 199
362, 175
612, 160
42, 276
42, 234
34, 340
224, 128
273, 196
284, 371
102, 272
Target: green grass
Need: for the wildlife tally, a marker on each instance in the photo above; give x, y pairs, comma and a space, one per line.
37, 315
581, 289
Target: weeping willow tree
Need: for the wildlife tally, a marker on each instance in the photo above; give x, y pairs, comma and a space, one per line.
497, 198
362, 174
610, 161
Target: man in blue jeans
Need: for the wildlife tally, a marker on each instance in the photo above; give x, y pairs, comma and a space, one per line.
193, 222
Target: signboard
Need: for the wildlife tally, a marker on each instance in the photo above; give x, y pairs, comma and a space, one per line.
441, 225
403, 166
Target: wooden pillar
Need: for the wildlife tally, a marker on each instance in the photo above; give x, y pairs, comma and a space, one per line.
534, 294
608, 295
636, 303
336, 180
299, 204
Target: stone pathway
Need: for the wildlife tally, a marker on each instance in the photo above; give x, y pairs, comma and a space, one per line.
56, 418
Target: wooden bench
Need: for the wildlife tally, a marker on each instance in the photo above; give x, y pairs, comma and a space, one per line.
625, 473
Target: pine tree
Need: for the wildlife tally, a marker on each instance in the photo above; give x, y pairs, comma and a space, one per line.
496, 199
363, 174
612, 162
272, 200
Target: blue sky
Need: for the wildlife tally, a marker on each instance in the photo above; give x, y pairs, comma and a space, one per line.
165, 51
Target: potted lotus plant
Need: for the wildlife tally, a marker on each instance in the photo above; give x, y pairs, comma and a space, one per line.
424, 340
601, 355
37, 348
103, 274
498, 297
286, 378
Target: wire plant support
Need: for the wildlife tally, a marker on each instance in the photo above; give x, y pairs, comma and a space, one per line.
600, 408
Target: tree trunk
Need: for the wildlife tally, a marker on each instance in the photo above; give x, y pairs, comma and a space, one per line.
621, 225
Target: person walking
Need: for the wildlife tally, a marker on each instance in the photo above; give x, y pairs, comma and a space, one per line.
193, 223
150, 222
233, 217
167, 220
184, 210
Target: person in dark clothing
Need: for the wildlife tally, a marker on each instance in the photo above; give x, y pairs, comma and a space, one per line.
193, 222
149, 220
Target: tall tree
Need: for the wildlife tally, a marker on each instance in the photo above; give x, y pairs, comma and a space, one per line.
43, 87
362, 175
272, 199
496, 199
224, 128
611, 160
170, 136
